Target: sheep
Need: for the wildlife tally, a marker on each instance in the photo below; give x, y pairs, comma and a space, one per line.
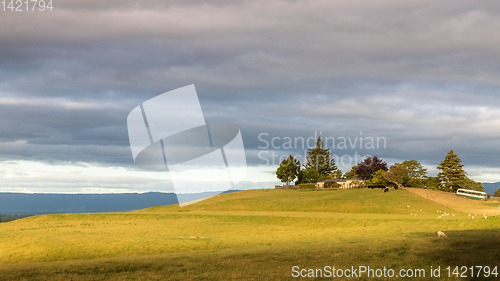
439, 217
407, 206
453, 214
441, 234
420, 210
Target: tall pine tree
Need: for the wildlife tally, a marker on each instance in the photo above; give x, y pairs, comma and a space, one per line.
319, 163
451, 174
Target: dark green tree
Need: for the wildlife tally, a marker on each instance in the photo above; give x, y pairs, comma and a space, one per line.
470, 184
351, 174
288, 170
319, 163
431, 183
452, 172
310, 176
337, 174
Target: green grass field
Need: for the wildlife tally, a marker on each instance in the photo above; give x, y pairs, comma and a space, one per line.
251, 235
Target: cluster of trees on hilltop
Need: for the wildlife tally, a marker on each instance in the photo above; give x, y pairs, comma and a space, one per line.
320, 165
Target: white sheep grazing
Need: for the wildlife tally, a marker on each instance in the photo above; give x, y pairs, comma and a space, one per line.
485, 217
407, 206
472, 217
469, 215
453, 214
439, 217
441, 234
420, 210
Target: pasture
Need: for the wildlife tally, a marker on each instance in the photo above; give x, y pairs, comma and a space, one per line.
249, 235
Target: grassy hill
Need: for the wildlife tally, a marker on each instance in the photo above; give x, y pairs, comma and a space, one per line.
248, 235
360, 201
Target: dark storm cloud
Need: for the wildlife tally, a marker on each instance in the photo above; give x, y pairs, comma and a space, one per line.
422, 74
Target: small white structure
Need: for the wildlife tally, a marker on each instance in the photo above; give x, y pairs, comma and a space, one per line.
348, 183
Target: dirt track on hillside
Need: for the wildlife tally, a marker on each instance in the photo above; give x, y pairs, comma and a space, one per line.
456, 203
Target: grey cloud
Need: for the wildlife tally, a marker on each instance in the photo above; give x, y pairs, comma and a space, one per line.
423, 74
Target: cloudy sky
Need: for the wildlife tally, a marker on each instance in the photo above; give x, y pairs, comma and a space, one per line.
420, 77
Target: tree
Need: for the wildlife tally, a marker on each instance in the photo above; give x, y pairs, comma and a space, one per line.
497, 193
378, 179
351, 174
398, 175
470, 184
370, 166
337, 174
431, 182
288, 170
300, 177
451, 172
415, 169
319, 163
310, 176
408, 173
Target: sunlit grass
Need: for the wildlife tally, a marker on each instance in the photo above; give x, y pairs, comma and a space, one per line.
221, 232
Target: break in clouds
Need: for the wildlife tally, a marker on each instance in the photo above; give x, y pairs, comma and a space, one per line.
421, 75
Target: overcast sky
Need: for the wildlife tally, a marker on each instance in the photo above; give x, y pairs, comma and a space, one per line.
422, 77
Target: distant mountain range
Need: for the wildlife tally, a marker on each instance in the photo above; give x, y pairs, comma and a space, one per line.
40, 203
490, 187
49, 203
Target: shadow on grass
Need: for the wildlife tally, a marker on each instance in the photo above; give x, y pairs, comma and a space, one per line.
275, 262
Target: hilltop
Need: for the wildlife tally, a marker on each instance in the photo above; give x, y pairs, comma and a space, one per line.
360, 201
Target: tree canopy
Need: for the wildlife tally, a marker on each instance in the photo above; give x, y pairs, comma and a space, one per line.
370, 166
337, 174
408, 173
415, 169
398, 174
288, 170
497, 193
319, 163
351, 174
470, 184
452, 172
378, 179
